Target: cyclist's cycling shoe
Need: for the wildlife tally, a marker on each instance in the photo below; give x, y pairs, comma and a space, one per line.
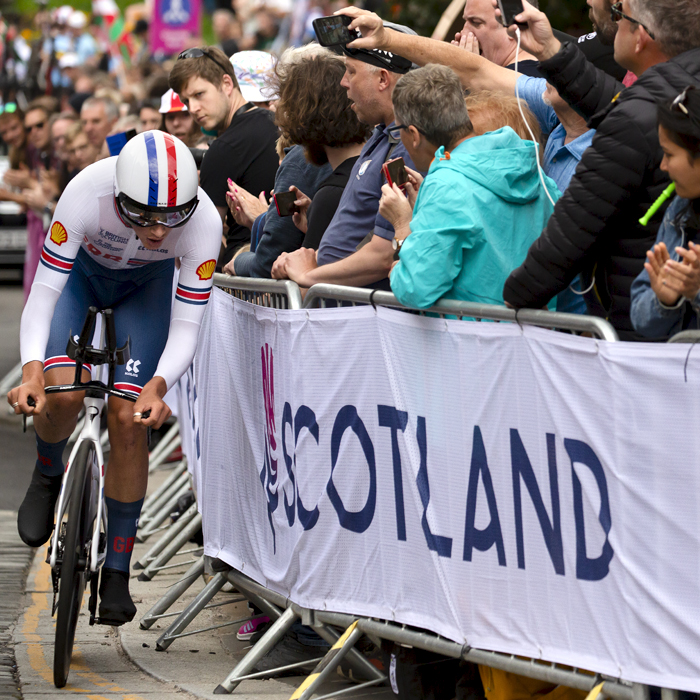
116, 606
36, 514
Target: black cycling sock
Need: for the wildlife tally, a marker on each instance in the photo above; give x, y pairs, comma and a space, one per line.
122, 519
50, 456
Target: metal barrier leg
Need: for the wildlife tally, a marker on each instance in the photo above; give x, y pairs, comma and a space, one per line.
267, 642
191, 611
167, 537
171, 550
640, 691
153, 464
147, 514
164, 513
358, 662
176, 473
329, 663
165, 441
669, 694
173, 593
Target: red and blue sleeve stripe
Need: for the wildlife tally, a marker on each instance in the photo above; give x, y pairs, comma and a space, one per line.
192, 295
56, 262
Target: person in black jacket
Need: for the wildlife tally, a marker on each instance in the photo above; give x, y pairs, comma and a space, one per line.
595, 227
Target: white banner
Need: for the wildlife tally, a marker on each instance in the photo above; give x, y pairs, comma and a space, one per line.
513, 489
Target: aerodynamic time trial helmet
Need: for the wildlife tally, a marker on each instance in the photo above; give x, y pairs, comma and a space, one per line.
156, 181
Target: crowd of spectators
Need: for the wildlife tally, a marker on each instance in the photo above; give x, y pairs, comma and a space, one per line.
530, 155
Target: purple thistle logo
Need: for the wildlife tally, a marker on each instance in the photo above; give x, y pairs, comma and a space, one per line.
268, 473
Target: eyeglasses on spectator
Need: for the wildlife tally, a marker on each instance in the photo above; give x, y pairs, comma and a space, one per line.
38, 126
9, 108
617, 14
395, 131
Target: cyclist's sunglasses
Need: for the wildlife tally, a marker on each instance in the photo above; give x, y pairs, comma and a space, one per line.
144, 216
617, 14
197, 53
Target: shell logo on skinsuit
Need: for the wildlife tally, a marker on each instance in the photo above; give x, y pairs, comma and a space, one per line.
206, 269
59, 234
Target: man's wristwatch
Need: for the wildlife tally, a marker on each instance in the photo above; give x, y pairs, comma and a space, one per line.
396, 243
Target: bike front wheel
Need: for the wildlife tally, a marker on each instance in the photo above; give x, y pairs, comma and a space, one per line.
74, 569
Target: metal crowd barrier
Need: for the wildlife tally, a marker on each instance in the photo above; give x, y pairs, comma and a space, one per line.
275, 294
319, 294
284, 613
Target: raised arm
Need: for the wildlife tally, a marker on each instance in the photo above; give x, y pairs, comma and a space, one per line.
475, 72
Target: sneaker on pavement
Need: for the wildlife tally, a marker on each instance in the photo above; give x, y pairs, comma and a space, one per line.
116, 606
36, 514
247, 630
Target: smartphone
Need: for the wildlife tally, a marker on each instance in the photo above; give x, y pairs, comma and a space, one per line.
333, 30
395, 172
284, 201
509, 9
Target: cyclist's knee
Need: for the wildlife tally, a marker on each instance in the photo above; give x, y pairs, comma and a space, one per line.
62, 408
121, 418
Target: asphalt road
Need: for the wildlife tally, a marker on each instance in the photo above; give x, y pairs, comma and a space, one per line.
17, 450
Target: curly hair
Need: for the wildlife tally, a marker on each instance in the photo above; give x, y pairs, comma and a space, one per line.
313, 109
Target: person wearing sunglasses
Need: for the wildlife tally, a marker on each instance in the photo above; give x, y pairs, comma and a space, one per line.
112, 243
666, 294
244, 150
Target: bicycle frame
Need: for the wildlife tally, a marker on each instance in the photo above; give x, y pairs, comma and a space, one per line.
94, 402
91, 432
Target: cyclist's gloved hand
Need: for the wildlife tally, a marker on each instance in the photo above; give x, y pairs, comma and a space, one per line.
151, 399
32, 387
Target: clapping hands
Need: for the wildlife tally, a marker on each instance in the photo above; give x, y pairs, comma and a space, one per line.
672, 279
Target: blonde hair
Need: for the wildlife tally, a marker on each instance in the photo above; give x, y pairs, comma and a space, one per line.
490, 110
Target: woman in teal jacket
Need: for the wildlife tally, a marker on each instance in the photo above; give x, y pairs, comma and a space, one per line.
479, 209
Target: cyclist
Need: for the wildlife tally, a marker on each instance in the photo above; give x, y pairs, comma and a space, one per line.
115, 234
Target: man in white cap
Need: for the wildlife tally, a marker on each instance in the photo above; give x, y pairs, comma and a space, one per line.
177, 120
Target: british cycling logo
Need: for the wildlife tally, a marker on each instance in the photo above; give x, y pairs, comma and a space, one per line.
268, 473
206, 270
112, 237
59, 235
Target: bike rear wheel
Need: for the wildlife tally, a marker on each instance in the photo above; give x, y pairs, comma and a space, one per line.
74, 569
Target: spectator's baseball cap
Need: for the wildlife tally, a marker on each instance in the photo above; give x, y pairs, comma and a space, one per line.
170, 102
383, 59
251, 69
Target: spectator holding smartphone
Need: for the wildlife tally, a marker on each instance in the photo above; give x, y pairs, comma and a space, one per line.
666, 294
480, 206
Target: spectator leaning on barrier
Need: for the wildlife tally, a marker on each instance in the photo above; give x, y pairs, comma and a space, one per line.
370, 77
314, 112
480, 206
666, 294
98, 115
594, 229
245, 148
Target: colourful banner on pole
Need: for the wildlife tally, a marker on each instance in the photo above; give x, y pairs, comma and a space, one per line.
176, 25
